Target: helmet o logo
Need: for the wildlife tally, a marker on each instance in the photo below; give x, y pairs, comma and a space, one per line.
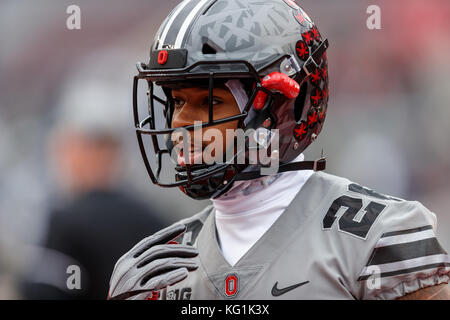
162, 57
231, 285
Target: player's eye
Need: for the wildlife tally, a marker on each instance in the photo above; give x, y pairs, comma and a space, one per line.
178, 103
216, 101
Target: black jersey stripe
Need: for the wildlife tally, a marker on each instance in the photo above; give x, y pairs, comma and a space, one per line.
178, 22
403, 271
397, 233
405, 251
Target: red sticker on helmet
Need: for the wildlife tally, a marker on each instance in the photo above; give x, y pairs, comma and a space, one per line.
315, 33
325, 93
300, 130
308, 37
316, 77
302, 50
313, 117
324, 72
316, 97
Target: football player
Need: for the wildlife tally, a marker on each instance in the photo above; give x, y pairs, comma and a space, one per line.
297, 233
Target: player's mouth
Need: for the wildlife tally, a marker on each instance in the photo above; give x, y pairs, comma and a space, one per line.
194, 155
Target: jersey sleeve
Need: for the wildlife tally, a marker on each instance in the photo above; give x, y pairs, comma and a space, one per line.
404, 254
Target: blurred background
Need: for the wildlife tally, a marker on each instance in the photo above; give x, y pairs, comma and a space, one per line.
73, 187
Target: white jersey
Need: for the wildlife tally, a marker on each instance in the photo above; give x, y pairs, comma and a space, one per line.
336, 240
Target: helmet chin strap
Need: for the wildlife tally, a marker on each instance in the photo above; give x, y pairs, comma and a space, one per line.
316, 165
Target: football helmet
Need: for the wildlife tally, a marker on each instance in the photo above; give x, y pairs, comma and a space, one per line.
272, 47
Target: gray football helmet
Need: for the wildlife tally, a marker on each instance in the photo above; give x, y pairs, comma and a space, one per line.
271, 46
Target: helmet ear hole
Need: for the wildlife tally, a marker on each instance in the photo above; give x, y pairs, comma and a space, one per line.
207, 49
300, 102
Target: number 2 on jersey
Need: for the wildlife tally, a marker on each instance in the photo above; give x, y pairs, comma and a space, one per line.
347, 223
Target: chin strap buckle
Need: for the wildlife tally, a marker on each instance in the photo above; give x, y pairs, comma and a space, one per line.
309, 65
320, 164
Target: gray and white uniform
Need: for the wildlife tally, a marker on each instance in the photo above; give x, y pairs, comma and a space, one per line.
336, 240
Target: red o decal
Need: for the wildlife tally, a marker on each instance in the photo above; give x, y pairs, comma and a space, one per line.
162, 57
231, 285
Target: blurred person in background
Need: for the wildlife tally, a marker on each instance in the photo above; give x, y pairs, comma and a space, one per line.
93, 222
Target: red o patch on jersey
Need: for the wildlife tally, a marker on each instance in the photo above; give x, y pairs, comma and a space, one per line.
231, 285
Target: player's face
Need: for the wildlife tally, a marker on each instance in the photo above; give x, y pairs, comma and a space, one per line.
192, 104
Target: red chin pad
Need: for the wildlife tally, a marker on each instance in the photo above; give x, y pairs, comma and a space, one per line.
276, 81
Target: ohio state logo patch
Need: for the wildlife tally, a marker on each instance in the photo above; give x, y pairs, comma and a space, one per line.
231, 285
